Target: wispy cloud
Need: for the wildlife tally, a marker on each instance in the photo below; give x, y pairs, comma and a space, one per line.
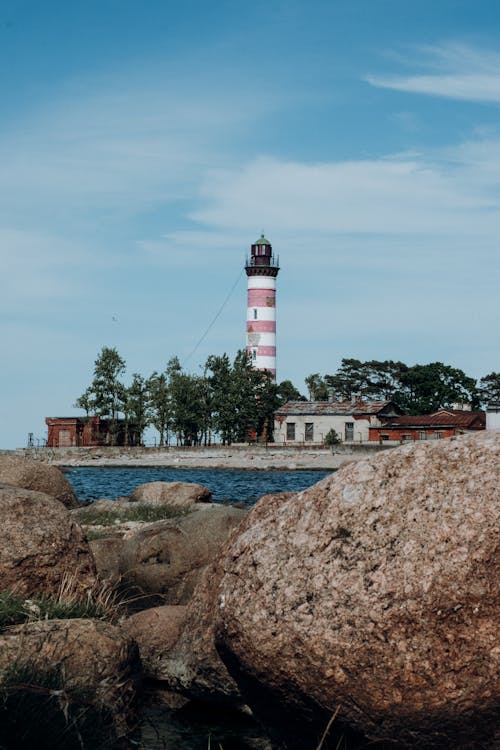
452, 192
453, 71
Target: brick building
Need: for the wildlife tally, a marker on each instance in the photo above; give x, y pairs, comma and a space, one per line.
441, 424
67, 432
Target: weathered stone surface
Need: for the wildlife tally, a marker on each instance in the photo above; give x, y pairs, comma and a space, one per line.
375, 591
38, 476
156, 632
171, 493
164, 559
40, 544
90, 655
107, 555
191, 665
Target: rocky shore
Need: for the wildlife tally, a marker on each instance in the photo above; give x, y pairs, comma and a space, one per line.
371, 597
218, 457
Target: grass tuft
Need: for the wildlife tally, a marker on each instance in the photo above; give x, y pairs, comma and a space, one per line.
38, 710
101, 602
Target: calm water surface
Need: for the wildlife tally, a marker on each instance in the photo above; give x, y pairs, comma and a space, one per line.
227, 485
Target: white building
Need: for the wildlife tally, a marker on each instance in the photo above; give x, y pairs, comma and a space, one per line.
493, 417
310, 421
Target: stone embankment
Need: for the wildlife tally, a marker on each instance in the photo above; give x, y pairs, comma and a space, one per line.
215, 457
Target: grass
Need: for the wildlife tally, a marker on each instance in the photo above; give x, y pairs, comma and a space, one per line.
100, 603
37, 710
90, 516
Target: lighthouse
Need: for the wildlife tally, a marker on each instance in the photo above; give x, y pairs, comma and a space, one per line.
262, 268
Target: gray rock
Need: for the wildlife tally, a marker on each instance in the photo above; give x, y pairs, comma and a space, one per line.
40, 545
171, 493
375, 592
38, 476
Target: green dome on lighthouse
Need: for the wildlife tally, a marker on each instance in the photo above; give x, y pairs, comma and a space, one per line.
262, 240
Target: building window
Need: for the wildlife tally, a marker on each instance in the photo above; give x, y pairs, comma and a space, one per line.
406, 438
309, 431
422, 435
290, 430
255, 313
439, 435
349, 431
384, 437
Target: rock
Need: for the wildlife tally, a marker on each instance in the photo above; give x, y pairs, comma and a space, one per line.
98, 666
38, 476
191, 665
171, 493
374, 593
164, 559
156, 632
107, 555
40, 545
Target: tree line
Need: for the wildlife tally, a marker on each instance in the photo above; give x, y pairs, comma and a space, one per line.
417, 389
229, 401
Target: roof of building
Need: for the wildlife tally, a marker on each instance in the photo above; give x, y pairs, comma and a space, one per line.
441, 418
333, 407
262, 240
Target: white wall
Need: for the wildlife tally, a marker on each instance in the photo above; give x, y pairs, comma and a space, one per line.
323, 423
493, 419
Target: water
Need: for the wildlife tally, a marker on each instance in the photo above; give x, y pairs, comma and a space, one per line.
227, 485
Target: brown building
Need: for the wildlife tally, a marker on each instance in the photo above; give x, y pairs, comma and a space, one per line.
441, 424
67, 432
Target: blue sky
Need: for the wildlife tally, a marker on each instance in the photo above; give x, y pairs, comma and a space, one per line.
145, 145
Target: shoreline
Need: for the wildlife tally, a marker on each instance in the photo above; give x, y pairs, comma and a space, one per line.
238, 457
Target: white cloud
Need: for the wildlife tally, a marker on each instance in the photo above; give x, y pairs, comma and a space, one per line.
454, 192
457, 72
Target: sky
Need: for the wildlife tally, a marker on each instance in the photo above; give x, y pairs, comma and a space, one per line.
146, 144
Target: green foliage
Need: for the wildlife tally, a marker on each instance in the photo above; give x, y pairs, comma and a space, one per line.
159, 404
489, 389
332, 438
137, 409
38, 709
420, 389
288, 392
16, 610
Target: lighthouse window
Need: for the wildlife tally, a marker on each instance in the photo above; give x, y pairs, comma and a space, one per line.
254, 353
255, 313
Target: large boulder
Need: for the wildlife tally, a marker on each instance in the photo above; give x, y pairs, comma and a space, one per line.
40, 545
373, 594
171, 493
38, 476
163, 560
88, 664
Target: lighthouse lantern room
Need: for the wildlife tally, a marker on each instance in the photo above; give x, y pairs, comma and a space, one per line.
262, 268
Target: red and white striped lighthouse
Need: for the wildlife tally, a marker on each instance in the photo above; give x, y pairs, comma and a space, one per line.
262, 269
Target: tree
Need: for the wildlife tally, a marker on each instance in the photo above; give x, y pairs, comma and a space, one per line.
186, 394
106, 395
288, 392
427, 388
489, 389
318, 390
85, 401
332, 438
159, 404
137, 410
